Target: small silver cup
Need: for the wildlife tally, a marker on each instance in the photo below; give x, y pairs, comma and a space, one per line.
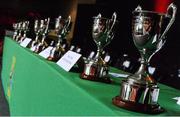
102, 32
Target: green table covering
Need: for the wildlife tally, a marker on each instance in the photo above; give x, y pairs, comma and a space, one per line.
35, 86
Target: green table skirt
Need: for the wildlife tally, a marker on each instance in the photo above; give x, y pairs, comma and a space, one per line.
35, 86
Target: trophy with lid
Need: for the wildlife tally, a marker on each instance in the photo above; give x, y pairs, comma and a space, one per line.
139, 92
103, 31
62, 28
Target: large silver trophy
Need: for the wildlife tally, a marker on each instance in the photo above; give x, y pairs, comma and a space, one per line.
102, 33
139, 92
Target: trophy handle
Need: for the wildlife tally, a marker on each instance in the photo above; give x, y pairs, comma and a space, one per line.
57, 20
27, 25
114, 16
174, 9
36, 26
68, 22
47, 24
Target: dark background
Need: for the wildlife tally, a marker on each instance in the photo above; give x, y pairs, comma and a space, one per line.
166, 61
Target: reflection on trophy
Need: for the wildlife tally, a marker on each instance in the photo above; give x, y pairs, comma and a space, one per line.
62, 27
102, 33
43, 31
139, 92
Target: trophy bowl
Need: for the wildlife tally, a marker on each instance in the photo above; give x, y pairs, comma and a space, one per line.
102, 32
139, 92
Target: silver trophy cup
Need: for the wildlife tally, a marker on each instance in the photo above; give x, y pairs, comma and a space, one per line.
44, 30
62, 28
38, 25
139, 92
102, 33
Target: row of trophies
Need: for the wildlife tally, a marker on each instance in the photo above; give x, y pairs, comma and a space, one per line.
41, 30
139, 92
21, 29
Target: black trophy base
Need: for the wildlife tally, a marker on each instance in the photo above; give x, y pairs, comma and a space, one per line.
142, 108
97, 79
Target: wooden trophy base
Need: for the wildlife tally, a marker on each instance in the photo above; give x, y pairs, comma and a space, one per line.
97, 79
52, 59
143, 108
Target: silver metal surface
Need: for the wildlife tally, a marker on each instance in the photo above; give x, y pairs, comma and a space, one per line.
138, 93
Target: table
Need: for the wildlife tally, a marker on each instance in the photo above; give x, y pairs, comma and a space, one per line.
35, 86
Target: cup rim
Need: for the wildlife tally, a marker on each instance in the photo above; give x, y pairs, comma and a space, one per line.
152, 12
95, 17
100, 17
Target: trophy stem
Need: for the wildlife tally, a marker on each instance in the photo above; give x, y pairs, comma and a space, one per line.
43, 38
98, 55
59, 46
142, 73
36, 38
